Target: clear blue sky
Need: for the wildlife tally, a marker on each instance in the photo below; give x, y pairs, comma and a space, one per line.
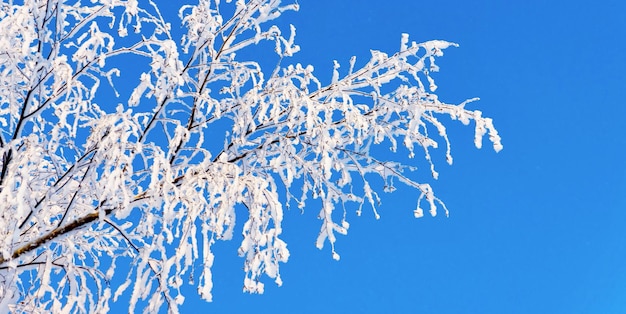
538, 228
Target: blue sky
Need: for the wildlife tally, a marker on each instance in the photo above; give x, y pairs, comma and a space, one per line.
538, 228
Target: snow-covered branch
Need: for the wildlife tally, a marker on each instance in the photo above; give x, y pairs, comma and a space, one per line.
140, 145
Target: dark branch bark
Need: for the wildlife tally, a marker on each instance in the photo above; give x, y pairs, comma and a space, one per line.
57, 232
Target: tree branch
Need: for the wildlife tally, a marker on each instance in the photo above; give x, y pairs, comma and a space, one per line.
57, 232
